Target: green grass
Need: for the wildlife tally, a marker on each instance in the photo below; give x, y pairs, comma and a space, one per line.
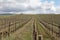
42, 32
25, 34
11, 37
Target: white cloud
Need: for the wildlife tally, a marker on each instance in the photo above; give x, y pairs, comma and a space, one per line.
46, 6
1, 0
58, 10
27, 5
52, 6
1, 6
34, 3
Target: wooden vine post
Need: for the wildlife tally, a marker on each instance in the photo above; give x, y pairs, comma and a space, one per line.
9, 29
59, 31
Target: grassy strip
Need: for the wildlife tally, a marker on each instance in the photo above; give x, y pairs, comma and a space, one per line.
42, 32
25, 34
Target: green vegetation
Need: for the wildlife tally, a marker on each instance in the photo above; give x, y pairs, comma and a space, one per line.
20, 27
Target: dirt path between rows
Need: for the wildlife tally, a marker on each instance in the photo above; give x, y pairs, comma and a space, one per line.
25, 30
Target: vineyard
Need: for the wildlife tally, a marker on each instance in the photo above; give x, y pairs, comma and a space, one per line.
30, 27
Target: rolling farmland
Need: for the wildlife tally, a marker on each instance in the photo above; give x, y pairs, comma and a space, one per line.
30, 27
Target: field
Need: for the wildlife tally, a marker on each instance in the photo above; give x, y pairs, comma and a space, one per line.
30, 27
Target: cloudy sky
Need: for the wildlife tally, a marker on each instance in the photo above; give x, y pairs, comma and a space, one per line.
30, 6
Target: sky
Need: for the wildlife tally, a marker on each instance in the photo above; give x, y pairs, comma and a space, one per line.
30, 6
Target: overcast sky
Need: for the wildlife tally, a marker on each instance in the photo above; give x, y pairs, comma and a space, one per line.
30, 6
